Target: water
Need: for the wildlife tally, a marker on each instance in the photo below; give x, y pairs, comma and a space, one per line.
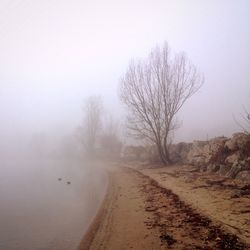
37, 211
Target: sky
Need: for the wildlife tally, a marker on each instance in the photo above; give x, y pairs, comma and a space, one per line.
56, 53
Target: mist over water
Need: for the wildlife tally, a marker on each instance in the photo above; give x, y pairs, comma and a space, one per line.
55, 54
40, 212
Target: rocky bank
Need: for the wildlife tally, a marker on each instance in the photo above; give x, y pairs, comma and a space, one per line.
228, 157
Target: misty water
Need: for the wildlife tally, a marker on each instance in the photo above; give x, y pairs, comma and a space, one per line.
38, 211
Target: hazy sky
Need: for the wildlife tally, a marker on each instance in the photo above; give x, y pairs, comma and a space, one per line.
55, 53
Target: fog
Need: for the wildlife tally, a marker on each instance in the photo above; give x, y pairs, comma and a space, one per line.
40, 212
54, 54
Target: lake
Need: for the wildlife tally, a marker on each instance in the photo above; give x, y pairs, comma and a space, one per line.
38, 211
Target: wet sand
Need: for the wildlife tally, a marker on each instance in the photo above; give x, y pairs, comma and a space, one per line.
139, 213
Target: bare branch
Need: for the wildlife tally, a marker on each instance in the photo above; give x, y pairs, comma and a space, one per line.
154, 90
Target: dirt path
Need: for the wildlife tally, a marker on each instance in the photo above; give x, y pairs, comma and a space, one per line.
139, 214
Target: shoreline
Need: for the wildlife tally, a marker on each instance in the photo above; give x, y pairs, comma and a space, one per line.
94, 225
137, 212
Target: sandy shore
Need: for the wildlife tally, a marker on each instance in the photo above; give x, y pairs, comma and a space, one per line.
142, 213
209, 194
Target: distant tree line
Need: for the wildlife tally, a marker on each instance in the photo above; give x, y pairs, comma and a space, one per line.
99, 133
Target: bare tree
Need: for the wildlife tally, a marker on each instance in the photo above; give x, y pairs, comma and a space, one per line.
154, 90
244, 122
110, 142
92, 124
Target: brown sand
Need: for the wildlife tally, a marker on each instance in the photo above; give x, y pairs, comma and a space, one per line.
209, 194
120, 221
138, 213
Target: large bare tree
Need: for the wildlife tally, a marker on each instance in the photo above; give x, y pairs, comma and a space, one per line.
154, 90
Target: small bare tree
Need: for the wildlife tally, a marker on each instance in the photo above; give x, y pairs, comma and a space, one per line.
92, 124
244, 123
154, 90
110, 142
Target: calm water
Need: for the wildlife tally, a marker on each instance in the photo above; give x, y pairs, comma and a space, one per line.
37, 211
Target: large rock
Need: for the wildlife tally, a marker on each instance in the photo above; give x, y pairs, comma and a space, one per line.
234, 171
212, 168
203, 168
236, 168
243, 176
239, 141
215, 150
198, 160
224, 169
235, 157
196, 155
231, 144
205, 152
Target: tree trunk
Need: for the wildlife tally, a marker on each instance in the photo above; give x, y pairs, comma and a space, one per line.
165, 148
164, 155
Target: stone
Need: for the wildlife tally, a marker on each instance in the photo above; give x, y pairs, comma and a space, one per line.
203, 168
243, 176
235, 157
231, 145
236, 168
239, 141
224, 169
205, 152
196, 154
212, 168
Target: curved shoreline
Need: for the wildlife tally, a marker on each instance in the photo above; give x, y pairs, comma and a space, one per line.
138, 212
95, 223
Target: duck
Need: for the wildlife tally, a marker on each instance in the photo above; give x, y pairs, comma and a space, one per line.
59, 179
68, 182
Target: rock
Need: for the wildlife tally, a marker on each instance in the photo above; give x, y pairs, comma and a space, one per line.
212, 168
244, 144
234, 171
216, 143
224, 169
203, 168
243, 176
235, 157
217, 152
231, 145
198, 161
236, 168
196, 154
239, 141
205, 152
